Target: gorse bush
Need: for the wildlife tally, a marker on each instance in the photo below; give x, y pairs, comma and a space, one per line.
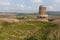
29, 30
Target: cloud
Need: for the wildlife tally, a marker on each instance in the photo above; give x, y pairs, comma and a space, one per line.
28, 5
36, 1
21, 6
50, 8
4, 2
24, 7
57, 1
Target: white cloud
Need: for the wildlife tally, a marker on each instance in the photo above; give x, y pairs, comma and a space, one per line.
6, 8
57, 1
24, 7
21, 6
36, 1
4, 2
29, 8
51, 8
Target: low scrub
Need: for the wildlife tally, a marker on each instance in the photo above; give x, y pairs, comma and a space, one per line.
30, 30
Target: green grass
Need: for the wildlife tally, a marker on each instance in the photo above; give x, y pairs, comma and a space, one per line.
29, 30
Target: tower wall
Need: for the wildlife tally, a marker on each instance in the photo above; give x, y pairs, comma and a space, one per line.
42, 10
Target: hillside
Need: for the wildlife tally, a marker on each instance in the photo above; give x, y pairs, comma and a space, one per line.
29, 30
16, 28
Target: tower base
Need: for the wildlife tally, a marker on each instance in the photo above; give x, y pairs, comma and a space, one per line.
43, 18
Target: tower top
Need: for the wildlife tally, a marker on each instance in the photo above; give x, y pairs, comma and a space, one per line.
42, 6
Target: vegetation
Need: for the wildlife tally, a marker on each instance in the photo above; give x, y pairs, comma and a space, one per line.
30, 30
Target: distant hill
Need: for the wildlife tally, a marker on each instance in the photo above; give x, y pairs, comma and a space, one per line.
57, 13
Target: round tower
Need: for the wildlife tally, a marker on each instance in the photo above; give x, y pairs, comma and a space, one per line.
42, 10
42, 13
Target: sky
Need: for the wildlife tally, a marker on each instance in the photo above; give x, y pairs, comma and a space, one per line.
28, 6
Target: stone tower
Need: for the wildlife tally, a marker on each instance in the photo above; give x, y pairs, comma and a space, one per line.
42, 13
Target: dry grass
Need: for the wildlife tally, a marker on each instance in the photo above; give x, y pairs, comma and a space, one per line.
30, 30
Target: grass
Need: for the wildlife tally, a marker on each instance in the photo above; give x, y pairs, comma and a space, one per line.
29, 30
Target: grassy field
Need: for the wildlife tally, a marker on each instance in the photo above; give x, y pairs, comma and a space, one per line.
29, 30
